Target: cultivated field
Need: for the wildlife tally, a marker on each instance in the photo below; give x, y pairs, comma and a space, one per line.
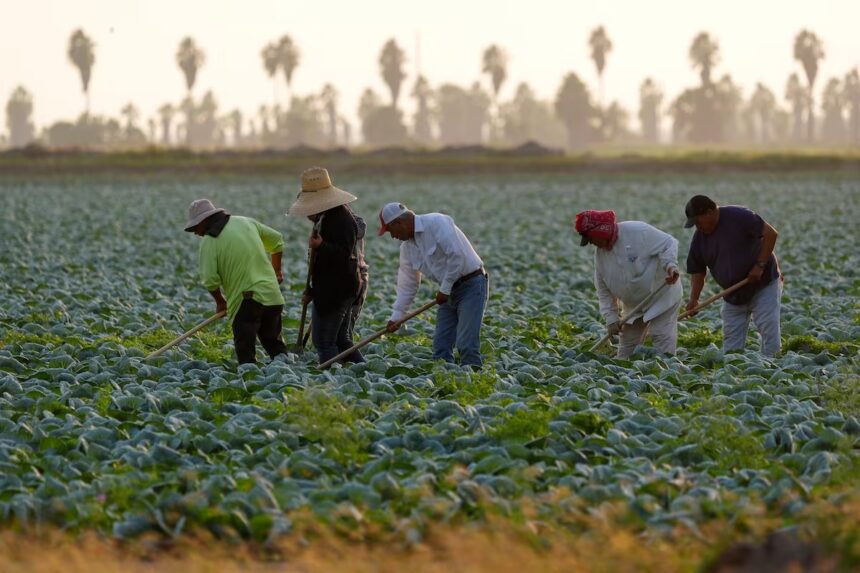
551, 444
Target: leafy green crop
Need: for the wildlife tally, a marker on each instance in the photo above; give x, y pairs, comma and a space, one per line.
96, 274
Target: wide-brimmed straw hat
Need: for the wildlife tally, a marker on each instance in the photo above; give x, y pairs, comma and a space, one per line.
318, 194
198, 211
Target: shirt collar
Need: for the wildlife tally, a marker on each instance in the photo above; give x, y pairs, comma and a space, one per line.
419, 223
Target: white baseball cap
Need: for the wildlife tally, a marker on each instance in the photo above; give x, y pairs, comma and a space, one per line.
389, 213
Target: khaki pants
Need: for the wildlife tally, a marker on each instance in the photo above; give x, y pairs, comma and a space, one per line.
663, 329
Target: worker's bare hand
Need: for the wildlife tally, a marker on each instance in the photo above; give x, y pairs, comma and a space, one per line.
307, 297
441, 298
392, 326
672, 276
691, 305
755, 274
220, 306
315, 241
614, 328
279, 274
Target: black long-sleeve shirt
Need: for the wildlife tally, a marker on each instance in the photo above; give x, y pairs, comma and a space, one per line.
338, 265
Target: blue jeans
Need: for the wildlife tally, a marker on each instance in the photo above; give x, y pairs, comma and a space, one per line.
458, 321
332, 332
763, 308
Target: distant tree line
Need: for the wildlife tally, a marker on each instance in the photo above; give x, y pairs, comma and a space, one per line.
713, 111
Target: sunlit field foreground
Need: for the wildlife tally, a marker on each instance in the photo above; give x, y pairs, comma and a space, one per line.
551, 458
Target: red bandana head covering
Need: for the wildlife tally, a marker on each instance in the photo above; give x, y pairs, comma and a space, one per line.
600, 224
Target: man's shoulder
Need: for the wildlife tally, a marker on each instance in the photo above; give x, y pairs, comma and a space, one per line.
734, 211
434, 218
637, 228
634, 226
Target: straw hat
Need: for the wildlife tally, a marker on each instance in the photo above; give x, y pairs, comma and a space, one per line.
198, 211
318, 194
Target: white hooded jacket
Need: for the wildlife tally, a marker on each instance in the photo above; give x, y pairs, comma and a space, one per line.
635, 266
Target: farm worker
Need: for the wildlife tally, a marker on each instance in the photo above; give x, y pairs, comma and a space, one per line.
735, 243
234, 256
339, 279
434, 246
631, 261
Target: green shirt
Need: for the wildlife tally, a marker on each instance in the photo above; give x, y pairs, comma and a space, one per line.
236, 261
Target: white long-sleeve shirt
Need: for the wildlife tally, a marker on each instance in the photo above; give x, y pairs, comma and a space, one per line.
438, 250
635, 266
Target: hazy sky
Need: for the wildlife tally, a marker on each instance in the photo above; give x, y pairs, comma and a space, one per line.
136, 42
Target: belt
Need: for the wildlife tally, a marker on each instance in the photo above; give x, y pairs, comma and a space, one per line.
464, 278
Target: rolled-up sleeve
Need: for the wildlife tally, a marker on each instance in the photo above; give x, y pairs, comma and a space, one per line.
408, 280
208, 263
273, 241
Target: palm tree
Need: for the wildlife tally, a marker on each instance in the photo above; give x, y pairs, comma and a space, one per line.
600, 45
328, 98
704, 55
264, 114
573, 107
852, 98
808, 50
391, 61
19, 112
271, 62
130, 113
495, 64
288, 56
234, 120
82, 54
650, 100
833, 105
798, 96
166, 113
422, 92
763, 106
190, 59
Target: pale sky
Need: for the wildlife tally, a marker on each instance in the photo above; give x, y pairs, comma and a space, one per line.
340, 40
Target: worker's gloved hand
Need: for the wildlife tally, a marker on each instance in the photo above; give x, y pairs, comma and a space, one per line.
614, 328
392, 326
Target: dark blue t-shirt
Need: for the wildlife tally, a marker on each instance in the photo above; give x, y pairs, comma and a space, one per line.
731, 251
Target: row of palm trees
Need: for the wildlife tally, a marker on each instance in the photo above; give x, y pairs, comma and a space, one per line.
709, 112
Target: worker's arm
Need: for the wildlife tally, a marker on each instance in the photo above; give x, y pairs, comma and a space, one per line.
220, 302
697, 283
768, 242
276, 264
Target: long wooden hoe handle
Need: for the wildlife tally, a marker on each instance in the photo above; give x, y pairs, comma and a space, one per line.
191, 332
364, 342
645, 303
300, 337
714, 298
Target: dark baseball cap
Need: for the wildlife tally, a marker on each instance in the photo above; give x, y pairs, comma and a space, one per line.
698, 205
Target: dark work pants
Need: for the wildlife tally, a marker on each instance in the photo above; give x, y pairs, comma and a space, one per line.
253, 320
332, 332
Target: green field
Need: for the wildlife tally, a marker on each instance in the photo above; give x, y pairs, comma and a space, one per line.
95, 272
